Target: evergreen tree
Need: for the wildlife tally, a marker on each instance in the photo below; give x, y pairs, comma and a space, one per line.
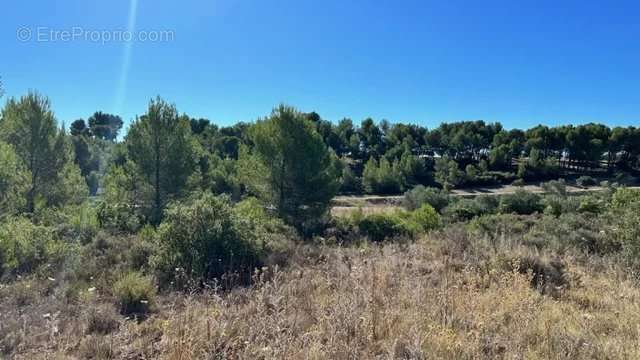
30, 127
290, 167
161, 146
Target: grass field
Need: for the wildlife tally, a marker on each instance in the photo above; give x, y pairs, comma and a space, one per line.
444, 297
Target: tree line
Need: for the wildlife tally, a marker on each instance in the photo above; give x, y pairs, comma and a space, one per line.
293, 162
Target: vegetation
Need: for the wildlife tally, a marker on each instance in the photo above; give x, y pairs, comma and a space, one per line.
135, 294
219, 241
205, 239
290, 167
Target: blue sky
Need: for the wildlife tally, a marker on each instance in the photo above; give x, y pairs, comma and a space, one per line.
517, 62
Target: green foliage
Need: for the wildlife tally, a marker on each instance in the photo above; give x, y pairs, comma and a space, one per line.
388, 225
290, 167
135, 294
163, 151
382, 177
93, 183
206, 238
13, 182
423, 219
521, 202
500, 157
571, 230
217, 175
420, 195
71, 188
538, 167
592, 205
378, 227
624, 198
413, 170
624, 216
462, 210
126, 192
25, 246
29, 125
105, 126
586, 180
350, 183
498, 226
84, 221
448, 174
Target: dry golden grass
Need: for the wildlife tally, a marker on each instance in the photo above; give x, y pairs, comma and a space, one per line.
427, 300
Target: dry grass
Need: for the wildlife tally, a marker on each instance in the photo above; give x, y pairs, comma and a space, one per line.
440, 298
342, 211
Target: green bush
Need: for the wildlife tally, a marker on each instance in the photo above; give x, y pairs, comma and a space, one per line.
624, 198
557, 205
422, 220
462, 210
378, 227
25, 246
420, 195
573, 230
501, 225
135, 294
591, 204
206, 238
586, 180
271, 233
624, 217
521, 202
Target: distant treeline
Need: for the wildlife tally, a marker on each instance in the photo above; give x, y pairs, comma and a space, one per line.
387, 158
293, 161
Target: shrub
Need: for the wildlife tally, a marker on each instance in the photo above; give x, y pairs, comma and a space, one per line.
273, 235
84, 222
135, 294
518, 182
378, 227
206, 239
624, 198
25, 246
502, 225
521, 202
576, 231
420, 195
462, 210
624, 216
487, 204
423, 219
118, 216
557, 205
590, 204
586, 180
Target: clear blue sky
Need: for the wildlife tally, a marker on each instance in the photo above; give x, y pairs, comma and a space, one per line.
518, 62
